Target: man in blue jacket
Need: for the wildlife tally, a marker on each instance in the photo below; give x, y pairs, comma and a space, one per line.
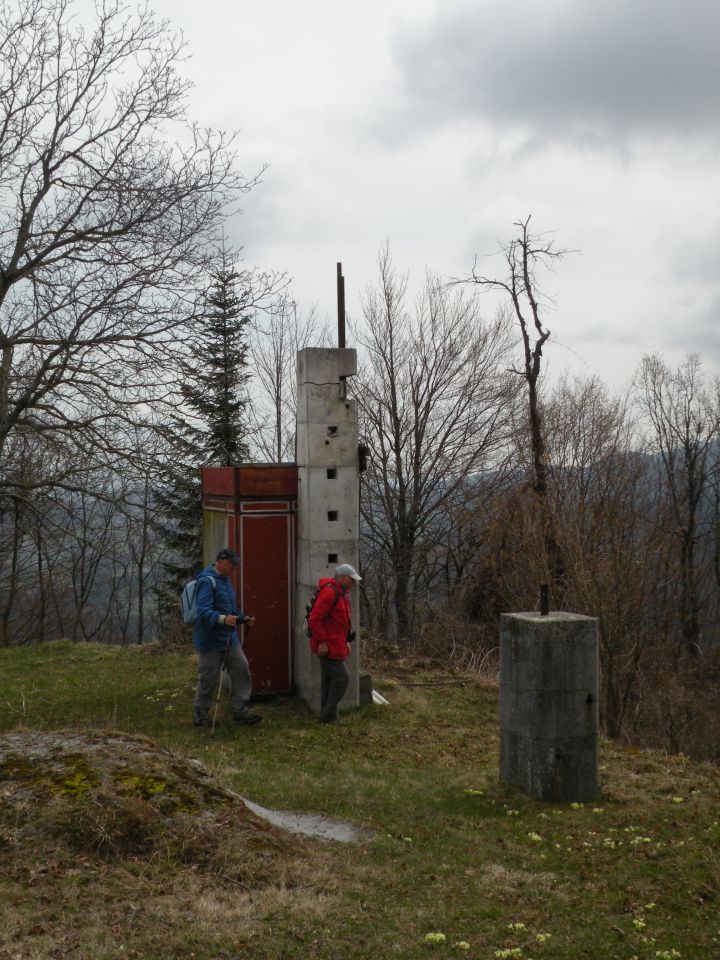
216, 641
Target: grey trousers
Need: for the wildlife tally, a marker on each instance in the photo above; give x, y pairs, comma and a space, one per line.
209, 665
334, 680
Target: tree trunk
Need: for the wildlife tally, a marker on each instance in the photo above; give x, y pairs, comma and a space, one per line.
12, 584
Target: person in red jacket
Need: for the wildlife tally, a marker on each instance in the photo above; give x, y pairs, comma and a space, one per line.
330, 633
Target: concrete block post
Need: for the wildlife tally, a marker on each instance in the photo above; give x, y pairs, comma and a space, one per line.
549, 705
328, 498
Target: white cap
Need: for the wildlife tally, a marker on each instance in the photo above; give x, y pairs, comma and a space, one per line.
345, 570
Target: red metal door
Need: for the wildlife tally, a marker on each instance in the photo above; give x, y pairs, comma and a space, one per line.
266, 545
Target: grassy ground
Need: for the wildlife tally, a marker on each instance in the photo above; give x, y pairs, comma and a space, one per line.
454, 855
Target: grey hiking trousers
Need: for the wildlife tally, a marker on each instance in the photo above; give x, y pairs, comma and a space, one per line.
209, 665
334, 679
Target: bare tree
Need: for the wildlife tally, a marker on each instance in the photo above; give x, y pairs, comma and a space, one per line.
26, 545
523, 255
683, 429
435, 402
10, 569
109, 203
714, 472
603, 507
279, 332
83, 563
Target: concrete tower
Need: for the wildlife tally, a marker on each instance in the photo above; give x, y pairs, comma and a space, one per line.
328, 498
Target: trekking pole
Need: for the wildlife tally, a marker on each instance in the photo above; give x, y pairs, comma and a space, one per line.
220, 680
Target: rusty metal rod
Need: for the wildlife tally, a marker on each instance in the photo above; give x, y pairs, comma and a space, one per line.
341, 306
544, 600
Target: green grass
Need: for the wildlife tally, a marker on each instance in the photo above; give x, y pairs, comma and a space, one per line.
453, 851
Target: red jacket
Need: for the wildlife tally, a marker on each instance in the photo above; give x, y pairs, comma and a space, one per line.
329, 621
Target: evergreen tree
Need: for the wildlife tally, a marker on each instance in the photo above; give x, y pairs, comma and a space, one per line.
214, 392
178, 517
216, 375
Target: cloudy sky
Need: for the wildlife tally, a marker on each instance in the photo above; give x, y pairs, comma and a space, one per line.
438, 124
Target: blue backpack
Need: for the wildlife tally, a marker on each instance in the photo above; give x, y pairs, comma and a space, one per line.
188, 598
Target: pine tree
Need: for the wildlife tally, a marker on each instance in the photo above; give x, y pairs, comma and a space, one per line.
215, 387
214, 392
178, 518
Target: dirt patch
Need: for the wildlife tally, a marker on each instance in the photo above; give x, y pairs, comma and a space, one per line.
501, 878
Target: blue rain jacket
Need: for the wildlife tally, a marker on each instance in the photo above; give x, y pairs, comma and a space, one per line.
208, 634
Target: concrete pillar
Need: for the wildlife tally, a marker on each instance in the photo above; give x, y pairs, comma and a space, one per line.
549, 705
328, 498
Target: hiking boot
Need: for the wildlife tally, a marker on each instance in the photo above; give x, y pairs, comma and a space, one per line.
247, 719
203, 722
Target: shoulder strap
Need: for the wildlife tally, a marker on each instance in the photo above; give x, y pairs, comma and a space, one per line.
337, 593
318, 591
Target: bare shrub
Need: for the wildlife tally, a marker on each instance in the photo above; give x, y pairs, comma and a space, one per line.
676, 706
448, 639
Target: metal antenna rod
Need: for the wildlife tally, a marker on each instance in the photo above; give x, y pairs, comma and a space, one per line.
544, 600
341, 306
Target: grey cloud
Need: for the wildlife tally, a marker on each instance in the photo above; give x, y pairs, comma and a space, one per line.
590, 72
697, 333
695, 257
